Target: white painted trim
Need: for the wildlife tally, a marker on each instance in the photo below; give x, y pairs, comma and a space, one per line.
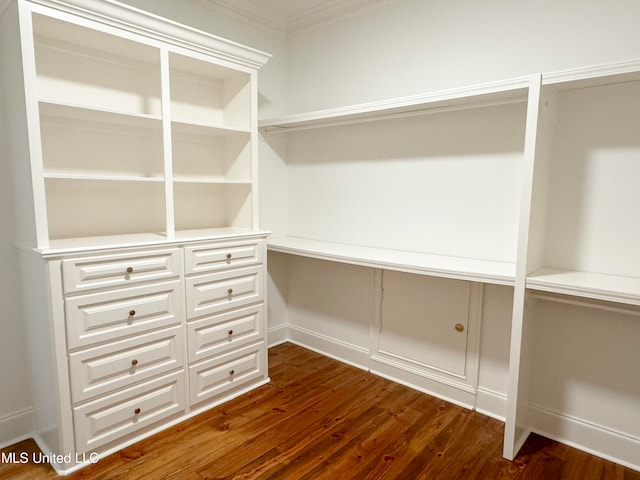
604, 442
416, 379
491, 403
277, 335
16, 427
330, 11
249, 13
592, 75
127, 18
338, 350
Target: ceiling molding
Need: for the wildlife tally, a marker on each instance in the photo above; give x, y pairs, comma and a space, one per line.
322, 13
331, 11
246, 12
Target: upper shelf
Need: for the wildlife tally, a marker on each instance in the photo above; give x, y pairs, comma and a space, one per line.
612, 288
482, 95
471, 269
495, 93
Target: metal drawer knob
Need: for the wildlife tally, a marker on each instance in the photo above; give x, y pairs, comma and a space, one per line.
231, 372
230, 291
132, 313
129, 269
134, 362
137, 411
230, 332
228, 256
459, 327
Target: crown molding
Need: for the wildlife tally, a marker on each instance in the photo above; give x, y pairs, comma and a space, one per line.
323, 13
331, 11
125, 17
246, 12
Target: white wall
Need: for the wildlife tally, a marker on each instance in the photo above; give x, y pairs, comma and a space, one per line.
413, 46
15, 401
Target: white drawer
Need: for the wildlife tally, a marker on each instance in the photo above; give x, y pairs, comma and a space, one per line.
113, 417
86, 273
217, 292
111, 315
221, 375
99, 370
218, 334
220, 256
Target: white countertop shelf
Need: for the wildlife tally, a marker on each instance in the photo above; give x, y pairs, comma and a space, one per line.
471, 269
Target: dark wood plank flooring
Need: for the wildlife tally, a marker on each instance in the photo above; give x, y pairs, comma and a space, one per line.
322, 419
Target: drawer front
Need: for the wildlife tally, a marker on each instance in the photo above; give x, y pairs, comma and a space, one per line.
111, 315
217, 292
110, 418
87, 273
221, 256
100, 370
221, 333
221, 375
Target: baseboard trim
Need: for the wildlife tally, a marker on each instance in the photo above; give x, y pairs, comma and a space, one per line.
604, 442
16, 427
343, 352
277, 335
413, 378
491, 403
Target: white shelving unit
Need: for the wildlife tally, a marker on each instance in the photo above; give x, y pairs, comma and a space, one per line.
402, 185
425, 191
138, 162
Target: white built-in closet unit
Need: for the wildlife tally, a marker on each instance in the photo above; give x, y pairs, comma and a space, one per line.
134, 156
424, 202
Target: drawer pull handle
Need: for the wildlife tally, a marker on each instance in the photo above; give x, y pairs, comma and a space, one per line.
228, 256
129, 269
231, 372
134, 362
132, 313
230, 291
137, 411
230, 332
459, 327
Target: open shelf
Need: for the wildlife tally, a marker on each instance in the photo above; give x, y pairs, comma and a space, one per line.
589, 246
612, 288
205, 206
496, 93
130, 146
471, 269
203, 93
75, 64
445, 184
96, 208
210, 154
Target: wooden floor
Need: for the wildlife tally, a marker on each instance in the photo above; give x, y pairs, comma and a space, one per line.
321, 419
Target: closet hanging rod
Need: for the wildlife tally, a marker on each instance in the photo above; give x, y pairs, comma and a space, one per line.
586, 302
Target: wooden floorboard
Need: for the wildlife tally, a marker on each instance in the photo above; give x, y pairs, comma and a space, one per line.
322, 419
